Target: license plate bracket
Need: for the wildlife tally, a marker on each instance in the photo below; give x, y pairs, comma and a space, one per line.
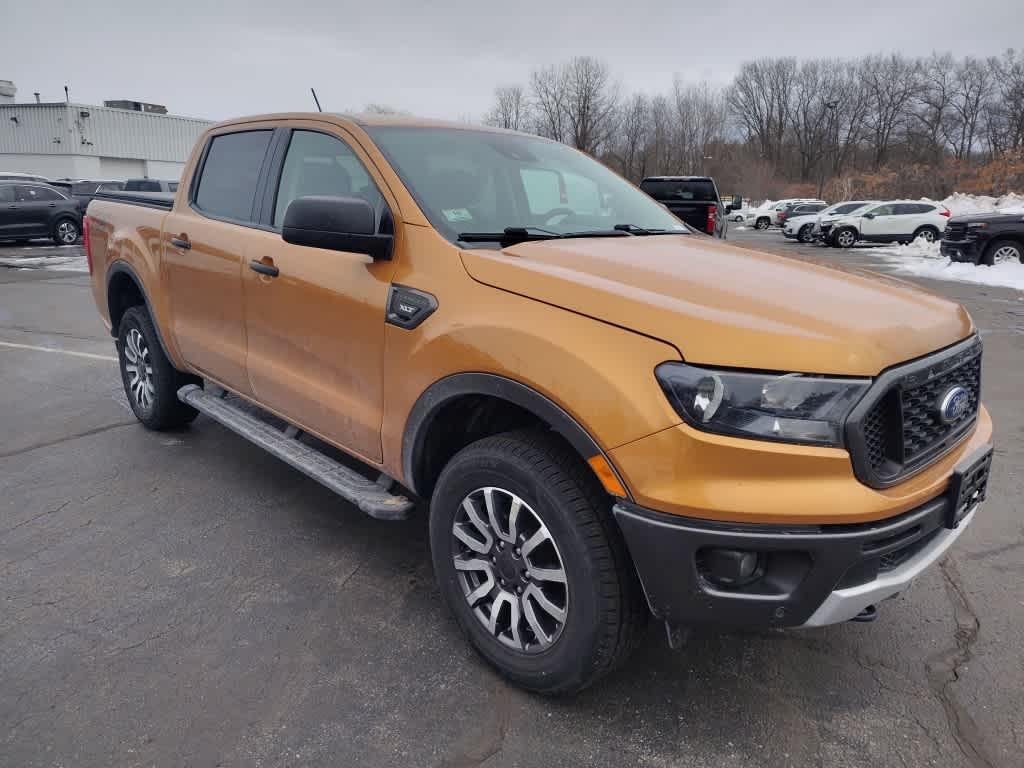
968, 485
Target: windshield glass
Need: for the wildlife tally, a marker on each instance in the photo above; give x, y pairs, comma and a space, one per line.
481, 181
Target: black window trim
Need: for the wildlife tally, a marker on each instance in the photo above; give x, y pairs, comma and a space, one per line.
275, 168
193, 185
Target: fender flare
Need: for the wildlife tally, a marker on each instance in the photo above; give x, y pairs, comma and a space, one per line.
443, 391
122, 267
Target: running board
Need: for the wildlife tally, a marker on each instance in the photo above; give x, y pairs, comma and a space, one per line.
370, 496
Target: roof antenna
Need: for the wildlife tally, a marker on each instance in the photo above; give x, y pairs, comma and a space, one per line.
318, 108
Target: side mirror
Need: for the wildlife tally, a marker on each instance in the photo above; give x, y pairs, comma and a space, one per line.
337, 224
869, 215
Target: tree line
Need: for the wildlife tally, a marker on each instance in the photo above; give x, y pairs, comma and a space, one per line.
880, 125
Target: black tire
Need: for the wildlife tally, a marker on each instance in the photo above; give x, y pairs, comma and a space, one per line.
604, 608
930, 234
159, 407
762, 223
1007, 247
806, 234
842, 238
66, 231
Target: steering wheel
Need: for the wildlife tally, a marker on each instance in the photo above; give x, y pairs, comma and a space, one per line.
567, 212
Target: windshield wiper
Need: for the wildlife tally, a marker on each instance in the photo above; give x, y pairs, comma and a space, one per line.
633, 229
513, 235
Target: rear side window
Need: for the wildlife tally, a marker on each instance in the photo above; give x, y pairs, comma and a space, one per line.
84, 188
28, 194
227, 186
6, 193
681, 189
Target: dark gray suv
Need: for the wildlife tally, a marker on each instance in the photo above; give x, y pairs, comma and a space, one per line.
29, 209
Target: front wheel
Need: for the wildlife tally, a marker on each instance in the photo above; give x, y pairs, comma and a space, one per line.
65, 232
845, 238
762, 223
806, 233
150, 381
1003, 252
529, 561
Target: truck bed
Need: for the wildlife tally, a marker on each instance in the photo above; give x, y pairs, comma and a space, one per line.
161, 200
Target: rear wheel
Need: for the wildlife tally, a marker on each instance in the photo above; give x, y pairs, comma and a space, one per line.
65, 232
762, 223
1003, 252
150, 381
806, 233
531, 564
845, 238
928, 234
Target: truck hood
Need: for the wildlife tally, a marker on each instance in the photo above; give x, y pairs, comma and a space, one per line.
722, 305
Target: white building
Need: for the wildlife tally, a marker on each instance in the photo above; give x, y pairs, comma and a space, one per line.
80, 141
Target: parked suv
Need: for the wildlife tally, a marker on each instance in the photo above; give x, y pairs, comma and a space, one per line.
805, 226
800, 209
606, 416
895, 221
985, 238
30, 209
694, 199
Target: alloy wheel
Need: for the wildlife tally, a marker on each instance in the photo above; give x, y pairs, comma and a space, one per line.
67, 232
510, 570
1005, 254
927, 235
139, 368
845, 239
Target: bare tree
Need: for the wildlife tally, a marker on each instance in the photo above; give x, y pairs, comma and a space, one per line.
550, 91
591, 106
973, 85
511, 108
891, 82
633, 136
932, 108
701, 113
759, 99
1005, 111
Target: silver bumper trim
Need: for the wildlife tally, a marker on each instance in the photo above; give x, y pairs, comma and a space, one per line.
845, 604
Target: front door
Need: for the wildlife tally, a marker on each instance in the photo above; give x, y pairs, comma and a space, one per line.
883, 223
316, 330
206, 241
34, 206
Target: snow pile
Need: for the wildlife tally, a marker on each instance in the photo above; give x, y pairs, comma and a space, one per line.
961, 204
922, 259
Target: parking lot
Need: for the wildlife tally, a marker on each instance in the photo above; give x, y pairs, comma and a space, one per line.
186, 599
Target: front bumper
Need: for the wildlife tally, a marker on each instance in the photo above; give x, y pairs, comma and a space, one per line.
809, 575
961, 250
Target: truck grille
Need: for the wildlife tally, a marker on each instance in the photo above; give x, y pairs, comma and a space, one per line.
955, 231
897, 429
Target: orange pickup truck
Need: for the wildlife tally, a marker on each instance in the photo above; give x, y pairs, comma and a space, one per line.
607, 415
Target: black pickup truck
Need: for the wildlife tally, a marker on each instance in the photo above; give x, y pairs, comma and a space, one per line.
985, 238
693, 199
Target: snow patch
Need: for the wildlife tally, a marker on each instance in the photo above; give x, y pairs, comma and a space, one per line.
962, 204
923, 259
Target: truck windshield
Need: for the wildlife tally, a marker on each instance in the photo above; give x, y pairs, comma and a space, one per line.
468, 181
676, 190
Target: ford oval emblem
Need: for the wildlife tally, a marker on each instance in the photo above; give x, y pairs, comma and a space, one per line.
953, 404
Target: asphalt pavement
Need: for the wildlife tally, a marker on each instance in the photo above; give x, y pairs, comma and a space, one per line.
184, 599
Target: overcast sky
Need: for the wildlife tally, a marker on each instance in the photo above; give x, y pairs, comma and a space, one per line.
442, 58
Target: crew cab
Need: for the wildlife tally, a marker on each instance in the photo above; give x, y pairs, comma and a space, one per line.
898, 221
985, 238
694, 199
606, 416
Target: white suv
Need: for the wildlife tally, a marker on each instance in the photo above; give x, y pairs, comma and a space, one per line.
897, 220
807, 228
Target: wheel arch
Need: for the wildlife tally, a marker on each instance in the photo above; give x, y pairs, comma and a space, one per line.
124, 290
508, 403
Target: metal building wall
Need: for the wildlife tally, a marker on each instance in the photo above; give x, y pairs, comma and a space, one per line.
82, 129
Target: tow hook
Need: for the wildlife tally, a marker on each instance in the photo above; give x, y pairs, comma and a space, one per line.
868, 614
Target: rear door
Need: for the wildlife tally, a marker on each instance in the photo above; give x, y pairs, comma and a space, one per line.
34, 205
206, 242
316, 329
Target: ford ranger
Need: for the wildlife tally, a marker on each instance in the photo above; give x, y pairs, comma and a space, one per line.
606, 416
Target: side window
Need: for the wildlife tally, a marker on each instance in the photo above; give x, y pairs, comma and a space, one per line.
48, 194
543, 188
884, 210
6, 193
227, 185
27, 194
319, 164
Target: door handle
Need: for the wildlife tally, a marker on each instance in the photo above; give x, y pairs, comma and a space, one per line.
181, 242
53, 205
264, 269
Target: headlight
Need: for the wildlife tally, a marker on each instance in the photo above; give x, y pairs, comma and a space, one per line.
791, 407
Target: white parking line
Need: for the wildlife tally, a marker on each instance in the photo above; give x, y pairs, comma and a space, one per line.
89, 355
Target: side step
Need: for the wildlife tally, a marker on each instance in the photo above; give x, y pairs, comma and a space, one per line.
370, 496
